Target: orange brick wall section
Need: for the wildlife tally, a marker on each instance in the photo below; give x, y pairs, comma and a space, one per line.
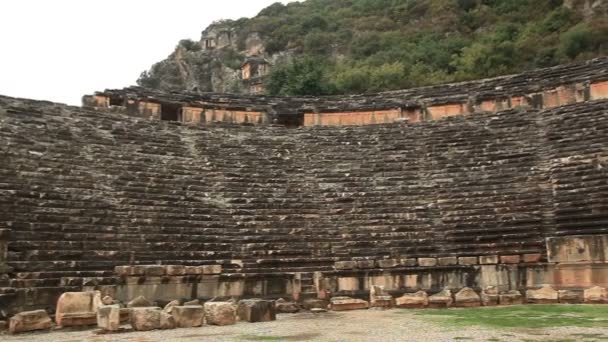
559, 97
101, 101
599, 90
233, 116
353, 118
192, 114
439, 112
149, 109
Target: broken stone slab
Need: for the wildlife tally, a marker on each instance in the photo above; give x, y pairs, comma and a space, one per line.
140, 302
220, 313
167, 321
416, 300
286, 307
169, 307
256, 310
145, 318
29, 321
544, 295
441, 300
490, 296
347, 303
596, 295
379, 298
467, 298
77, 308
188, 316
314, 303
570, 296
108, 317
512, 297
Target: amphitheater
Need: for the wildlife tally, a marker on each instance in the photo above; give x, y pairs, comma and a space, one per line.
489, 189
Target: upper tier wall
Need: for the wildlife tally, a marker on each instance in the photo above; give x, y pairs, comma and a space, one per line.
538, 89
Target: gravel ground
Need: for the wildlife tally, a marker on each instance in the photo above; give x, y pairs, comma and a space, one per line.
351, 326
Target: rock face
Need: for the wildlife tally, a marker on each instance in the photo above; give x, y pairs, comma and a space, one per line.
77, 308
544, 295
347, 303
441, 300
467, 298
188, 316
108, 317
256, 310
416, 300
596, 295
29, 321
220, 313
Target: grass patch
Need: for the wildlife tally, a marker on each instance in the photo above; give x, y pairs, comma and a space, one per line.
522, 316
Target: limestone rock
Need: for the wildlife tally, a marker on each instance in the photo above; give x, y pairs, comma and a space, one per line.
416, 300
544, 295
29, 321
77, 308
283, 306
512, 297
442, 299
188, 316
167, 321
379, 298
169, 307
490, 296
108, 317
596, 295
467, 297
256, 310
140, 302
347, 303
220, 313
145, 318
570, 297
107, 300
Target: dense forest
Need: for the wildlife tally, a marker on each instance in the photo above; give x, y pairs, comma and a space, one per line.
359, 46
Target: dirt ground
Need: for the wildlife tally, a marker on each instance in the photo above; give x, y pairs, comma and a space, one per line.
351, 326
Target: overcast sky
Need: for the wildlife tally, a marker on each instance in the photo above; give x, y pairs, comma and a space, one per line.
59, 50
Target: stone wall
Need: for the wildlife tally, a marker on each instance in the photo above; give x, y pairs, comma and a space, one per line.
465, 201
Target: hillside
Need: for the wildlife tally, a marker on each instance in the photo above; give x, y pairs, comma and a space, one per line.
356, 46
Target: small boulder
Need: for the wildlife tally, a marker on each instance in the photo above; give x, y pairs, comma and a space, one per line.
145, 318
570, 297
416, 300
77, 308
544, 295
140, 302
188, 316
467, 298
512, 297
256, 310
29, 321
442, 299
220, 313
108, 317
596, 295
347, 303
283, 306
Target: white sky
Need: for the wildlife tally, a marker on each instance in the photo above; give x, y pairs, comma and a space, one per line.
59, 50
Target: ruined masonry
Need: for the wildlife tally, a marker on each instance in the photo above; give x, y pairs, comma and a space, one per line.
493, 191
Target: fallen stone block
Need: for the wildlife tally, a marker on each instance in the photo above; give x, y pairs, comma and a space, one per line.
347, 303
256, 310
570, 297
169, 307
220, 313
140, 302
490, 296
29, 321
441, 300
108, 317
379, 298
544, 295
512, 297
167, 321
596, 295
188, 316
145, 319
467, 298
77, 308
416, 300
283, 306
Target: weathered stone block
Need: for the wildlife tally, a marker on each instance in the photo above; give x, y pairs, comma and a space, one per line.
442, 299
544, 295
283, 306
345, 265
188, 316
447, 261
167, 321
388, 263
145, 319
29, 321
510, 259
596, 295
314, 303
512, 297
211, 269
467, 261
140, 302
169, 307
532, 258
489, 296
488, 259
77, 308
570, 296
175, 270
220, 313
347, 303
409, 262
585, 248
379, 298
256, 310
416, 300
108, 317
427, 262
364, 264
467, 298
